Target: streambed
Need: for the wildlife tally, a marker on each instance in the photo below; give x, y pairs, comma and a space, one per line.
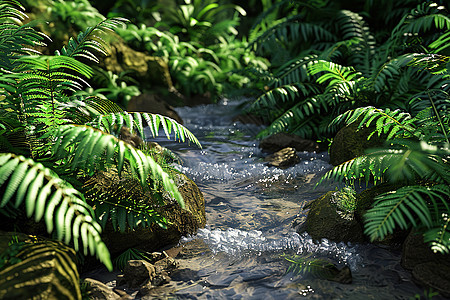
250, 208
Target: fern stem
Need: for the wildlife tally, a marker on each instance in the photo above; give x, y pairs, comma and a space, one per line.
438, 116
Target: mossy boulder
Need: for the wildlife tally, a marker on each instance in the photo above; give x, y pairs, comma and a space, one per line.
39, 270
350, 142
149, 70
325, 220
181, 221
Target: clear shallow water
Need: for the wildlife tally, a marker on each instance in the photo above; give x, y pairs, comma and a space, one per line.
250, 208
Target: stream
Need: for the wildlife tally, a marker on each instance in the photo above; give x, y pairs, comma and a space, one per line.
250, 209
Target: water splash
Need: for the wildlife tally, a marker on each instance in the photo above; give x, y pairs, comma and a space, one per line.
237, 242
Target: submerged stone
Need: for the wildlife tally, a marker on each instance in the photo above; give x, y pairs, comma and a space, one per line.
284, 158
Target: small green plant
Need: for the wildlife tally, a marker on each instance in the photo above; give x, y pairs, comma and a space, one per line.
345, 199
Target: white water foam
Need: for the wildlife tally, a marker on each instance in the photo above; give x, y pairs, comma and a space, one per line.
236, 242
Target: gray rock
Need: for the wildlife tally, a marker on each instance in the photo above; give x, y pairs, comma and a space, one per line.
284, 158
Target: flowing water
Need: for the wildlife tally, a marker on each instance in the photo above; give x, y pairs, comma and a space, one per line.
250, 208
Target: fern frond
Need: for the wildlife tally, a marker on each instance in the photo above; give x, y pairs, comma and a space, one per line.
421, 19
352, 27
292, 29
91, 41
410, 205
134, 121
48, 197
439, 237
293, 71
286, 93
334, 73
16, 39
90, 148
390, 123
298, 117
406, 163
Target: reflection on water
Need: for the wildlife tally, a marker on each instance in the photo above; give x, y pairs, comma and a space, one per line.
250, 208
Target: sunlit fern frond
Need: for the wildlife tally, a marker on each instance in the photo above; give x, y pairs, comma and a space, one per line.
388, 122
84, 109
404, 162
91, 149
43, 194
333, 72
135, 122
90, 42
411, 205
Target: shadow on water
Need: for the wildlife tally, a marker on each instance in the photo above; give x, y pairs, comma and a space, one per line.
250, 208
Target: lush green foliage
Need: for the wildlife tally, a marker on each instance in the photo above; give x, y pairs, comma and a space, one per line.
198, 39
69, 134
338, 64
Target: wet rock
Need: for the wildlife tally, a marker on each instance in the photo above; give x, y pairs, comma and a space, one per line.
167, 264
283, 159
138, 272
99, 291
350, 143
282, 140
152, 103
324, 220
428, 268
41, 270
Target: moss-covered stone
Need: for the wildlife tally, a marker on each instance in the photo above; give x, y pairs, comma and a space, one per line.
350, 143
182, 222
324, 220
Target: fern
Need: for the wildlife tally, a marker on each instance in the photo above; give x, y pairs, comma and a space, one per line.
47, 197
90, 148
390, 123
416, 205
406, 163
91, 40
135, 122
15, 39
